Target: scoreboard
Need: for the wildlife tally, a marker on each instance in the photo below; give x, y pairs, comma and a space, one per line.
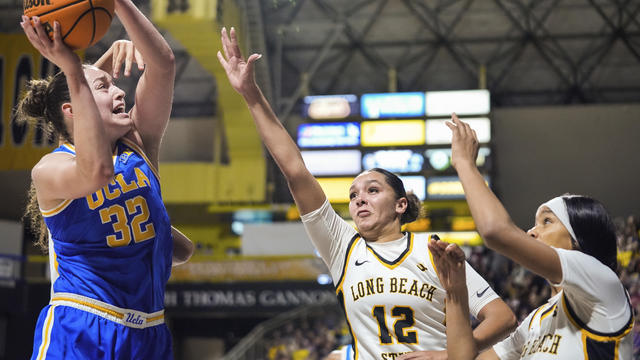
402, 132
405, 132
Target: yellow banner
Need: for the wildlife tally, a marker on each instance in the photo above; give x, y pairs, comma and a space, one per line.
270, 269
21, 145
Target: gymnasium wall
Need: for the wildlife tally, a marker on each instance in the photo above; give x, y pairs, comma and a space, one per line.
547, 151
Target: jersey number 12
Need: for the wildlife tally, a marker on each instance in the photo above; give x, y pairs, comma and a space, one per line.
404, 321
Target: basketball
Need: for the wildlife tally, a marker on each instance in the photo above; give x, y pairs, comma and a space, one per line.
82, 23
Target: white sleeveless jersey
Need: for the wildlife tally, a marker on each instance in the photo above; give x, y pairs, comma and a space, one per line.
555, 331
394, 306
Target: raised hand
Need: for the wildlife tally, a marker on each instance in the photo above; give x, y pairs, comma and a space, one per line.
449, 261
450, 265
54, 50
121, 51
239, 71
464, 143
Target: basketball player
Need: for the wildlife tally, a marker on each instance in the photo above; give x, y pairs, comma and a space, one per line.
109, 235
385, 279
573, 246
124, 52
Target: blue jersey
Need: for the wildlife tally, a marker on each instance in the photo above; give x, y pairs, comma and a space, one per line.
110, 254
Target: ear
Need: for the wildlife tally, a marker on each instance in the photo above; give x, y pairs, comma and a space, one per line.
401, 205
67, 110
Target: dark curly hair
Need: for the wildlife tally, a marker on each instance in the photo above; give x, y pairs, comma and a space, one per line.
41, 106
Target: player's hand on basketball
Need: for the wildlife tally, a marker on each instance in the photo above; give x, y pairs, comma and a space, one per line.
424, 355
450, 264
239, 71
54, 50
464, 142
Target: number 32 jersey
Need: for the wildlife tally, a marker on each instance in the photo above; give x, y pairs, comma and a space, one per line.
114, 245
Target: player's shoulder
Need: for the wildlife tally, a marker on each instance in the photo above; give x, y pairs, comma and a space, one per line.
49, 161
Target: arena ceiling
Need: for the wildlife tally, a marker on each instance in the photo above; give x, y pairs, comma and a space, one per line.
526, 52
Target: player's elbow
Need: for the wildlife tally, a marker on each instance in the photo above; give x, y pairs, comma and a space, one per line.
510, 322
182, 252
168, 61
493, 233
503, 316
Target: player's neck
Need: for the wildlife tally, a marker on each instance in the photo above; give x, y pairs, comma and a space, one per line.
385, 236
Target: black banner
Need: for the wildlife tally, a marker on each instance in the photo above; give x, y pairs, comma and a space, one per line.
243, 297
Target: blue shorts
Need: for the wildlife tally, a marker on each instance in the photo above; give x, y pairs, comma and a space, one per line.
64, 332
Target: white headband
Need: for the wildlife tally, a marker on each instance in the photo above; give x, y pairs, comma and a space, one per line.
559, 209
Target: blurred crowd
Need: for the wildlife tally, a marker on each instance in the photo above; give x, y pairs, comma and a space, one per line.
314, 338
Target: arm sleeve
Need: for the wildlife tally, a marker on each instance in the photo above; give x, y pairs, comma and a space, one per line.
594, 291
480, 293
511, 347
330, 235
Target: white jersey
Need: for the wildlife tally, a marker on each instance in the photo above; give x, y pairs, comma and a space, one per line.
590, 318
390, 292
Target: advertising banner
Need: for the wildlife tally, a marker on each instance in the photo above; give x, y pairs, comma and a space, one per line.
21, 145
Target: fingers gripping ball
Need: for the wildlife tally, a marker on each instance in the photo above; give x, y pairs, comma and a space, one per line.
82, 22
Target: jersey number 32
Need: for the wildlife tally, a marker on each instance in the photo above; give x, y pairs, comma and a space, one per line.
128, 222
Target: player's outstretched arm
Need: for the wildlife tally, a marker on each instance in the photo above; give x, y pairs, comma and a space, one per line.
449, 259
450, 262
492, 220
58, 177
154, 92
305, 189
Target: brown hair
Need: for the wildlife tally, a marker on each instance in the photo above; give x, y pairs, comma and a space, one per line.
41, 105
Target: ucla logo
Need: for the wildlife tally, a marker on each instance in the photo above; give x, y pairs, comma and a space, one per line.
125, 156
131, 318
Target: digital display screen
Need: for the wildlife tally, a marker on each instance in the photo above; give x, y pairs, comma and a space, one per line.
446, 188
330, 107
417, 184
438, 133
387, 105
333, 162
329, 135
393, 132
463, 102
336, 189
440, 159
400, 161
